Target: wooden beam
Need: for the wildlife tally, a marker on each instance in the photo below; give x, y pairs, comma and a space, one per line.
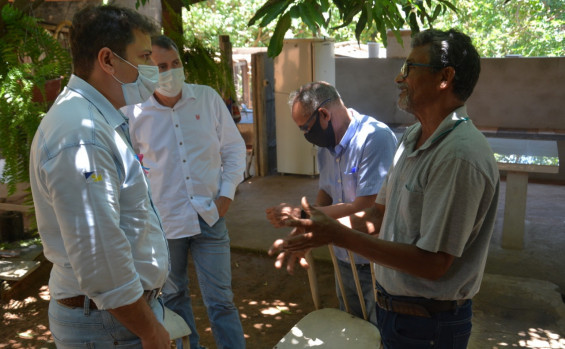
15, 207
260, 144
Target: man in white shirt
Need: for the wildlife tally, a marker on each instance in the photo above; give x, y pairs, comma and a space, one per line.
92, 202
194, 157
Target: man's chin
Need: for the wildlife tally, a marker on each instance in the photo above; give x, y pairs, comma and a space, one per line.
403, 105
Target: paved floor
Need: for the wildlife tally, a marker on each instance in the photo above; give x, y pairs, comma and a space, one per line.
520, 303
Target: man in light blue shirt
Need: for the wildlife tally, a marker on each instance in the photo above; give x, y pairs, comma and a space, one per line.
94, 213
355, 152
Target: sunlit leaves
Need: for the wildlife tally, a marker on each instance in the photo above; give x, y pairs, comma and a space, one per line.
275, 47
370, 16
526, 27
500, 28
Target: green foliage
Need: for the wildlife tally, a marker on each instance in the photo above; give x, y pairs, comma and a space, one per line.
378, 15
501, 27
204, 66
498, 27
29, 57
34, 241
207, 20
527, 159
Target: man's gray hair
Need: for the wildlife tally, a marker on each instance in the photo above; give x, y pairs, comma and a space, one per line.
312, 94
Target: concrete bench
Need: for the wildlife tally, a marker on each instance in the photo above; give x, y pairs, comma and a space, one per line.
519, 158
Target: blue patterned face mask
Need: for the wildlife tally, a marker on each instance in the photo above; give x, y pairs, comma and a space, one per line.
143, 87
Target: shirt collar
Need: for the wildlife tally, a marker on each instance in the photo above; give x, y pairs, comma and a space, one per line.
448, 124
113, 117
349, 133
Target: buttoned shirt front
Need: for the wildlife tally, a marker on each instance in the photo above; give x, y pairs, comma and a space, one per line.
92, 203
193, 153
358, 165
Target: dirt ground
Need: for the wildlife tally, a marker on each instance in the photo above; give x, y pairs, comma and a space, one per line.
270, 301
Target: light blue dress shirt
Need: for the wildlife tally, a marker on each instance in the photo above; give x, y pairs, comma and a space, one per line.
92, 203
358, 165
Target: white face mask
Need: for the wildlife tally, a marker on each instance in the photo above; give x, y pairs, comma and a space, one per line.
143, 87
170, 82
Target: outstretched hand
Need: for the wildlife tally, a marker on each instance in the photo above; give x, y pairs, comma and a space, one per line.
290, 257
278, 215
318, 230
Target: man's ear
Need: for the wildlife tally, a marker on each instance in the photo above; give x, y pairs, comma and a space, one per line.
447, 76
106, 60
324, 114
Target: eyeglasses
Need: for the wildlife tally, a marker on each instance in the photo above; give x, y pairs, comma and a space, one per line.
305, 127
405, 70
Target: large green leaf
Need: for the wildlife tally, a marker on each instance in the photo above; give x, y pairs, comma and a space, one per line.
361, 22
305, 10
437, 12
276, 43
271, 8
275, 12
314, 13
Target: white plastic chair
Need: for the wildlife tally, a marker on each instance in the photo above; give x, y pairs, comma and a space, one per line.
177, 327
329, 327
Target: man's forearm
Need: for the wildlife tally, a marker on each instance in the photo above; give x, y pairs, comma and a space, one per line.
367, 221
340, 210
139, 318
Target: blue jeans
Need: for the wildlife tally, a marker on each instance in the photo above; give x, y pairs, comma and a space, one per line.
443, 330
84, 328
210, 253
366, 281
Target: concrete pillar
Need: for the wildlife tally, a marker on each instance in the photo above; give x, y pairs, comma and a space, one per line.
515, 210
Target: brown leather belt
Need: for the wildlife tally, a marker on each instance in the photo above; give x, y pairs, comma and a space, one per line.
416, 307
78, 301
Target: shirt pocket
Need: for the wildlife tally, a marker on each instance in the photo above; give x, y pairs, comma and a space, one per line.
410, 210
349, 185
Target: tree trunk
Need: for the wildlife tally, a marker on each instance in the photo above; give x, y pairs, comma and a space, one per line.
172, 19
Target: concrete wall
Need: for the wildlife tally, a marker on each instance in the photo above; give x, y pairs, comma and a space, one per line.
513, 93
526, 93
368, 86
520, 93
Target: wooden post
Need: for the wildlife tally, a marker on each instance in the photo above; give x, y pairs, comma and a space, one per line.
262, 75
226, 53
245, 84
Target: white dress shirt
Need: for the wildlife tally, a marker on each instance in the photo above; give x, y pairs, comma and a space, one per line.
92, 203
192, 152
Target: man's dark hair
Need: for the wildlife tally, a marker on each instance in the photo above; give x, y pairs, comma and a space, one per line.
96, 27
165, 42
453, 49
313, 94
